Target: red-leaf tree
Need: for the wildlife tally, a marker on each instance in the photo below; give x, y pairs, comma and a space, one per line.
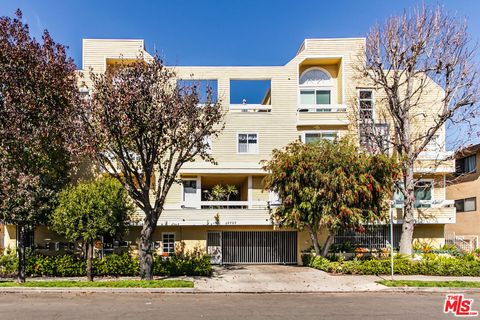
142, 128
329, 184
423, 67
38, 99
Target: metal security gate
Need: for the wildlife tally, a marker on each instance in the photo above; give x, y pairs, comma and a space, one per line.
259, 247
374, 237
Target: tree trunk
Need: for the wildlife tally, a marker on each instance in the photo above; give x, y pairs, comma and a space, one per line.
327, 245
89, 261
21, 253
408, 213
314, 238
146, 252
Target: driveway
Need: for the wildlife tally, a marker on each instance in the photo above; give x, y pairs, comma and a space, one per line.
280, 278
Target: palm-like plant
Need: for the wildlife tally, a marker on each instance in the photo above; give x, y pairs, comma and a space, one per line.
217, 193
230, 190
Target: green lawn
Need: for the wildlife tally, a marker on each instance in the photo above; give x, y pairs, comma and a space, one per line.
101, 284
417, 283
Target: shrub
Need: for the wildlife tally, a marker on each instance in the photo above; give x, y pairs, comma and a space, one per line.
8, 263
68, 265
116, 265
182, 265
430, 264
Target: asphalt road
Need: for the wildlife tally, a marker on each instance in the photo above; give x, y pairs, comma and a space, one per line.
137, 306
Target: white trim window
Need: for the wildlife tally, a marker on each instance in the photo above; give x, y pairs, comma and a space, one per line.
366, 104
168, 243
466, 205
315, 96
316, 89
434, 144
247, 143
207, 141
423, 191
466, 165
315, 136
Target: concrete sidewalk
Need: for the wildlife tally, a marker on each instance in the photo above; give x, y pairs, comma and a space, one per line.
269, 279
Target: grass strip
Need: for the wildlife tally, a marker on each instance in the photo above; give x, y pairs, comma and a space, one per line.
438, 284
100, 284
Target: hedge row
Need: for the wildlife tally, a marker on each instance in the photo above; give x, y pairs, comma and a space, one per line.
430, 264
113, 265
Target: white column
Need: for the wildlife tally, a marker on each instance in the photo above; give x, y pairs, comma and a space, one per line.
199, 192
250, 192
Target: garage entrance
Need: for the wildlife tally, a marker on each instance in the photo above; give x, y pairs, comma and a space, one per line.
253, 247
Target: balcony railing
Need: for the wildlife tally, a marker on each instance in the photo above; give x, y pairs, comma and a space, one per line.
322, 108
226, 205
427, 204
327, 114
435, 155
250, 107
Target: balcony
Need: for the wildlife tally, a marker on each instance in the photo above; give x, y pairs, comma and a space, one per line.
435, 162
322, 114
429, 212
212, 217
250, 108
233, 205
217, 199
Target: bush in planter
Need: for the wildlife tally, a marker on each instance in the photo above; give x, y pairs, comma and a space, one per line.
8, 263
116, 265
182, 265
194, 263
430, 264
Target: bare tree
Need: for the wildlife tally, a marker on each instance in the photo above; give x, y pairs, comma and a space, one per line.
142, 128
422, 66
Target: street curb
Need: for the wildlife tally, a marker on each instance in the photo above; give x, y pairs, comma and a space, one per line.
405, 290
94, 290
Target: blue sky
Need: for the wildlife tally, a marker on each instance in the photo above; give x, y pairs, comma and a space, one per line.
242, 32
232, 32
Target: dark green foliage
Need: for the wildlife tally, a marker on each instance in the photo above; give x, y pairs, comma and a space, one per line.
116, 265
430, 264
38, 265
181, 266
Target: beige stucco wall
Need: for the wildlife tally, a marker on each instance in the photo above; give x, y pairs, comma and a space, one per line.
432, 234
10, 235
277, 128
468, 186
195, 237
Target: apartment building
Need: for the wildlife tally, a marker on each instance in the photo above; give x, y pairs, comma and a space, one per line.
464, 188
313, 96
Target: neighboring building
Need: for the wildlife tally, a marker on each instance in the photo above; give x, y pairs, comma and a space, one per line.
313, 96
464, 188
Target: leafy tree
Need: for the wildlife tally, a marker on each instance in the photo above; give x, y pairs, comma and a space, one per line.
410, 59
90, 210
38, 100
329, 184
142, 128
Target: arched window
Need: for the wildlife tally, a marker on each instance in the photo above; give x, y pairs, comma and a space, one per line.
316, 87
315, 77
